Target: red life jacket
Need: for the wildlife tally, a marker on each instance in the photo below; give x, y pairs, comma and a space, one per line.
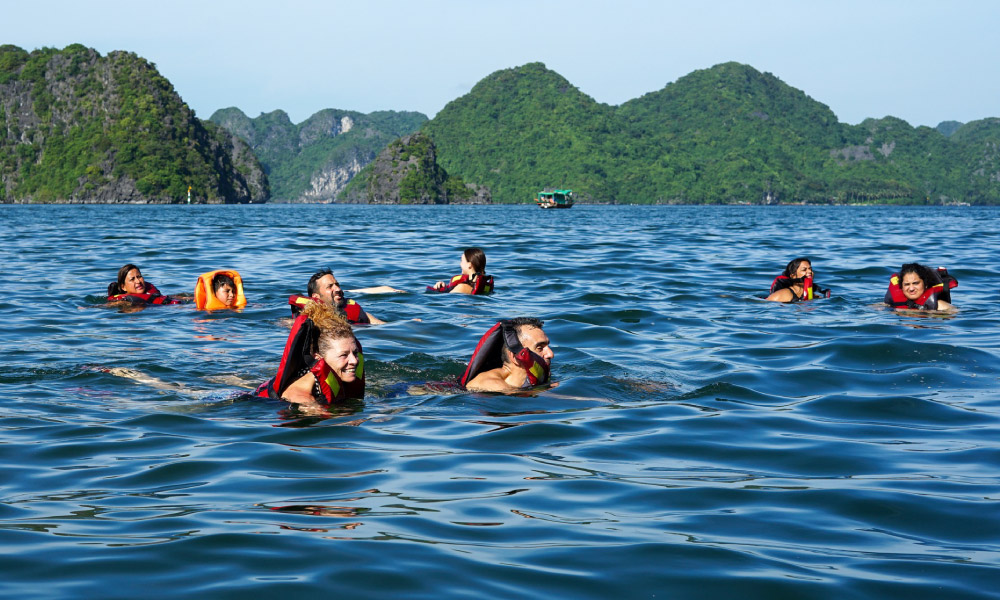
151, 296
298, 355
331, 386
482, 284
489, 355
940, 289
352, 309
810, 290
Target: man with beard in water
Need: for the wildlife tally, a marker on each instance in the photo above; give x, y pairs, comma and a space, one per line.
324, 287
513, 355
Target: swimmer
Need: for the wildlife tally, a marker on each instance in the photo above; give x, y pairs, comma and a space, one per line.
473, 279
795, 283
132, 287
219, 290
918, 287
324, 287
513, 355
322, 362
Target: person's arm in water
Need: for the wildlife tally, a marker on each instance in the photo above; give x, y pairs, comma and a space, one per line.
374, 320
462, 288
942, 305
300, 393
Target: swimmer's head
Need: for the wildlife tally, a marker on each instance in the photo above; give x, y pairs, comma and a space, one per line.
915, 279
800, 268
130, 281
224, 289
324, 285
531, 336
336, 343
474, 259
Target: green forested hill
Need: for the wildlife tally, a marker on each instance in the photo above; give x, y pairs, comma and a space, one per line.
519, 130
76, 126
721, 135
314, 160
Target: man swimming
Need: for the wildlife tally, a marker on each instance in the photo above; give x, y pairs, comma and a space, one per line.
513, 355
324, 287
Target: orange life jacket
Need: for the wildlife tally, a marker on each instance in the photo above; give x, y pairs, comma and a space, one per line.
204, 297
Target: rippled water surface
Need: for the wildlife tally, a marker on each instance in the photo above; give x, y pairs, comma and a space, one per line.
701, 443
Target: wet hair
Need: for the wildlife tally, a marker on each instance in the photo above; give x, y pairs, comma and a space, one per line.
519, 324
332, 326
924, 273
116, 287
311, 288
222, 279
793, 266
477, 258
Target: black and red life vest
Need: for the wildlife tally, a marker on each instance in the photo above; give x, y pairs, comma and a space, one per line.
351, 309
298, 355
489, 355
810, 289
150, 296
481, 284
939, 289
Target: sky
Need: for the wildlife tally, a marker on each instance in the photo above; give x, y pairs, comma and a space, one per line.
922, 61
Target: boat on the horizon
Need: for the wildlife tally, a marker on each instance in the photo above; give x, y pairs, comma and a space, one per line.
554, 199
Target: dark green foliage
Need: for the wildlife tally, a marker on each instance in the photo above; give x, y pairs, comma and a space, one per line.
947, 128
106, 129
407, 172
728, 134
522, 129
979, 144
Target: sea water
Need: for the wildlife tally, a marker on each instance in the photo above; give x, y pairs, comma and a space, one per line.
701, 443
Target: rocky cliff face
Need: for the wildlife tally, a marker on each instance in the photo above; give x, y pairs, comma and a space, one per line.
79, 127
314, 161
406, 172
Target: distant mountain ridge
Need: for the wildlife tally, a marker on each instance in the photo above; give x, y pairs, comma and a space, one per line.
728, 134
314, 160
80, 127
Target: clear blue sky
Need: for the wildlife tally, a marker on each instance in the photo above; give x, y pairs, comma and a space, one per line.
923, 61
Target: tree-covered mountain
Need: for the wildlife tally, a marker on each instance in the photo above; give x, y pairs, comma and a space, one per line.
77, 126
314, 160
979, 143
407, 172
523, 129
721, 135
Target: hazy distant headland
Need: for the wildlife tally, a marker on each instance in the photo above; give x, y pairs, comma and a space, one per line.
81, 127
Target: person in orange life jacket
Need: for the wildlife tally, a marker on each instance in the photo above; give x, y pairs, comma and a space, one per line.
336, 346
915, 280
796, 283
132, 287
520, 368
324, 287
473, 265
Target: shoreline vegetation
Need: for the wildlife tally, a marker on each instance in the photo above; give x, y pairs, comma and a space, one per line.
80, 128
